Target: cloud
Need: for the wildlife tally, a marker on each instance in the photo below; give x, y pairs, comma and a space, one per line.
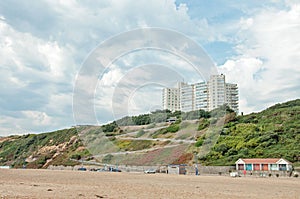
111, 77
33, 71
267, 68
37, 117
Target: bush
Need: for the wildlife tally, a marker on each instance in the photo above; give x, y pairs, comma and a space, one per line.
42, 160
141, 119
173, 128
203, 124
200, 141
277, 175
270, 174
76, 157
110, 127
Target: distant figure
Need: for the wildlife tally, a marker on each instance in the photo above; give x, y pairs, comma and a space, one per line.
245, 172
197, 172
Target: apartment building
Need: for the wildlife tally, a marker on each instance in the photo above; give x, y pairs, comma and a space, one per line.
186, 97
232, 96
171, 99
200, 92
207, 96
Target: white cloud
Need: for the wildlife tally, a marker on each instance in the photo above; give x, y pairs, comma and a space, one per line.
32, 72
267, 69
112, 76
37, 117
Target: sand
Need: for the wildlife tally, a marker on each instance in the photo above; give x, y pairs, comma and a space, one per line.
86, 184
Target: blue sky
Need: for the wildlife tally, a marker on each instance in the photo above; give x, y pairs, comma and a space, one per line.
45, 43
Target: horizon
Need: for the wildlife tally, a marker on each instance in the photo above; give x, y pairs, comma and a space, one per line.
53, 78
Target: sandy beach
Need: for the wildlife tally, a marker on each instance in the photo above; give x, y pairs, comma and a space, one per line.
85, 184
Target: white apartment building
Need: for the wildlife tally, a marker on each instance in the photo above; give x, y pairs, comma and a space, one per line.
206, 96
170, 99
232, 96
200, 96
186, 97
216, 91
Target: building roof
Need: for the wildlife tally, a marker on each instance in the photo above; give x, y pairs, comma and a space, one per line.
261, 160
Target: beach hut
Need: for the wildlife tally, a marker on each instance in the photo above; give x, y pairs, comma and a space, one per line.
263, 164
177, 169
4, 167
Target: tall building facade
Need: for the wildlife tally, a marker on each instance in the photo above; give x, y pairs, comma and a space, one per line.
205, 96
232, 96
216, 91
186, 97
171, 99
200, 92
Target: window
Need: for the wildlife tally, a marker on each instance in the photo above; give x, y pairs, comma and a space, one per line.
249, 167
240, 166
282, 167
273, 167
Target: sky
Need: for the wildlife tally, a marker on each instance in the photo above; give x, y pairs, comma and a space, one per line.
48, 48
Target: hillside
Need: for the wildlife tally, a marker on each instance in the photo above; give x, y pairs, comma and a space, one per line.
274, 132
41, 150
219, 137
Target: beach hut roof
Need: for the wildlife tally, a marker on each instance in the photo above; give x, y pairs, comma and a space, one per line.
262, 161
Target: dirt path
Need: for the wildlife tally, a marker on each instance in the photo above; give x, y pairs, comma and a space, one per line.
134, 152
80, 184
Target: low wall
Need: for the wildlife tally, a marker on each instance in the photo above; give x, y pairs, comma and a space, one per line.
190, 170
211, 170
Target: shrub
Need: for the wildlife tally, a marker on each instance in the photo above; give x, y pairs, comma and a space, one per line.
141, 119
270, 174
203, 124
199, 142
42, 160
110, 127
76, 156
173, 128
277, 175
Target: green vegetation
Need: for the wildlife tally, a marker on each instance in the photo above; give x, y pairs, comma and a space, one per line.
110, 127
272, 133
133, 145
160, 116
221, 138
141, 119
192, 115
41, 147
203, 124
172, 128
200, 141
